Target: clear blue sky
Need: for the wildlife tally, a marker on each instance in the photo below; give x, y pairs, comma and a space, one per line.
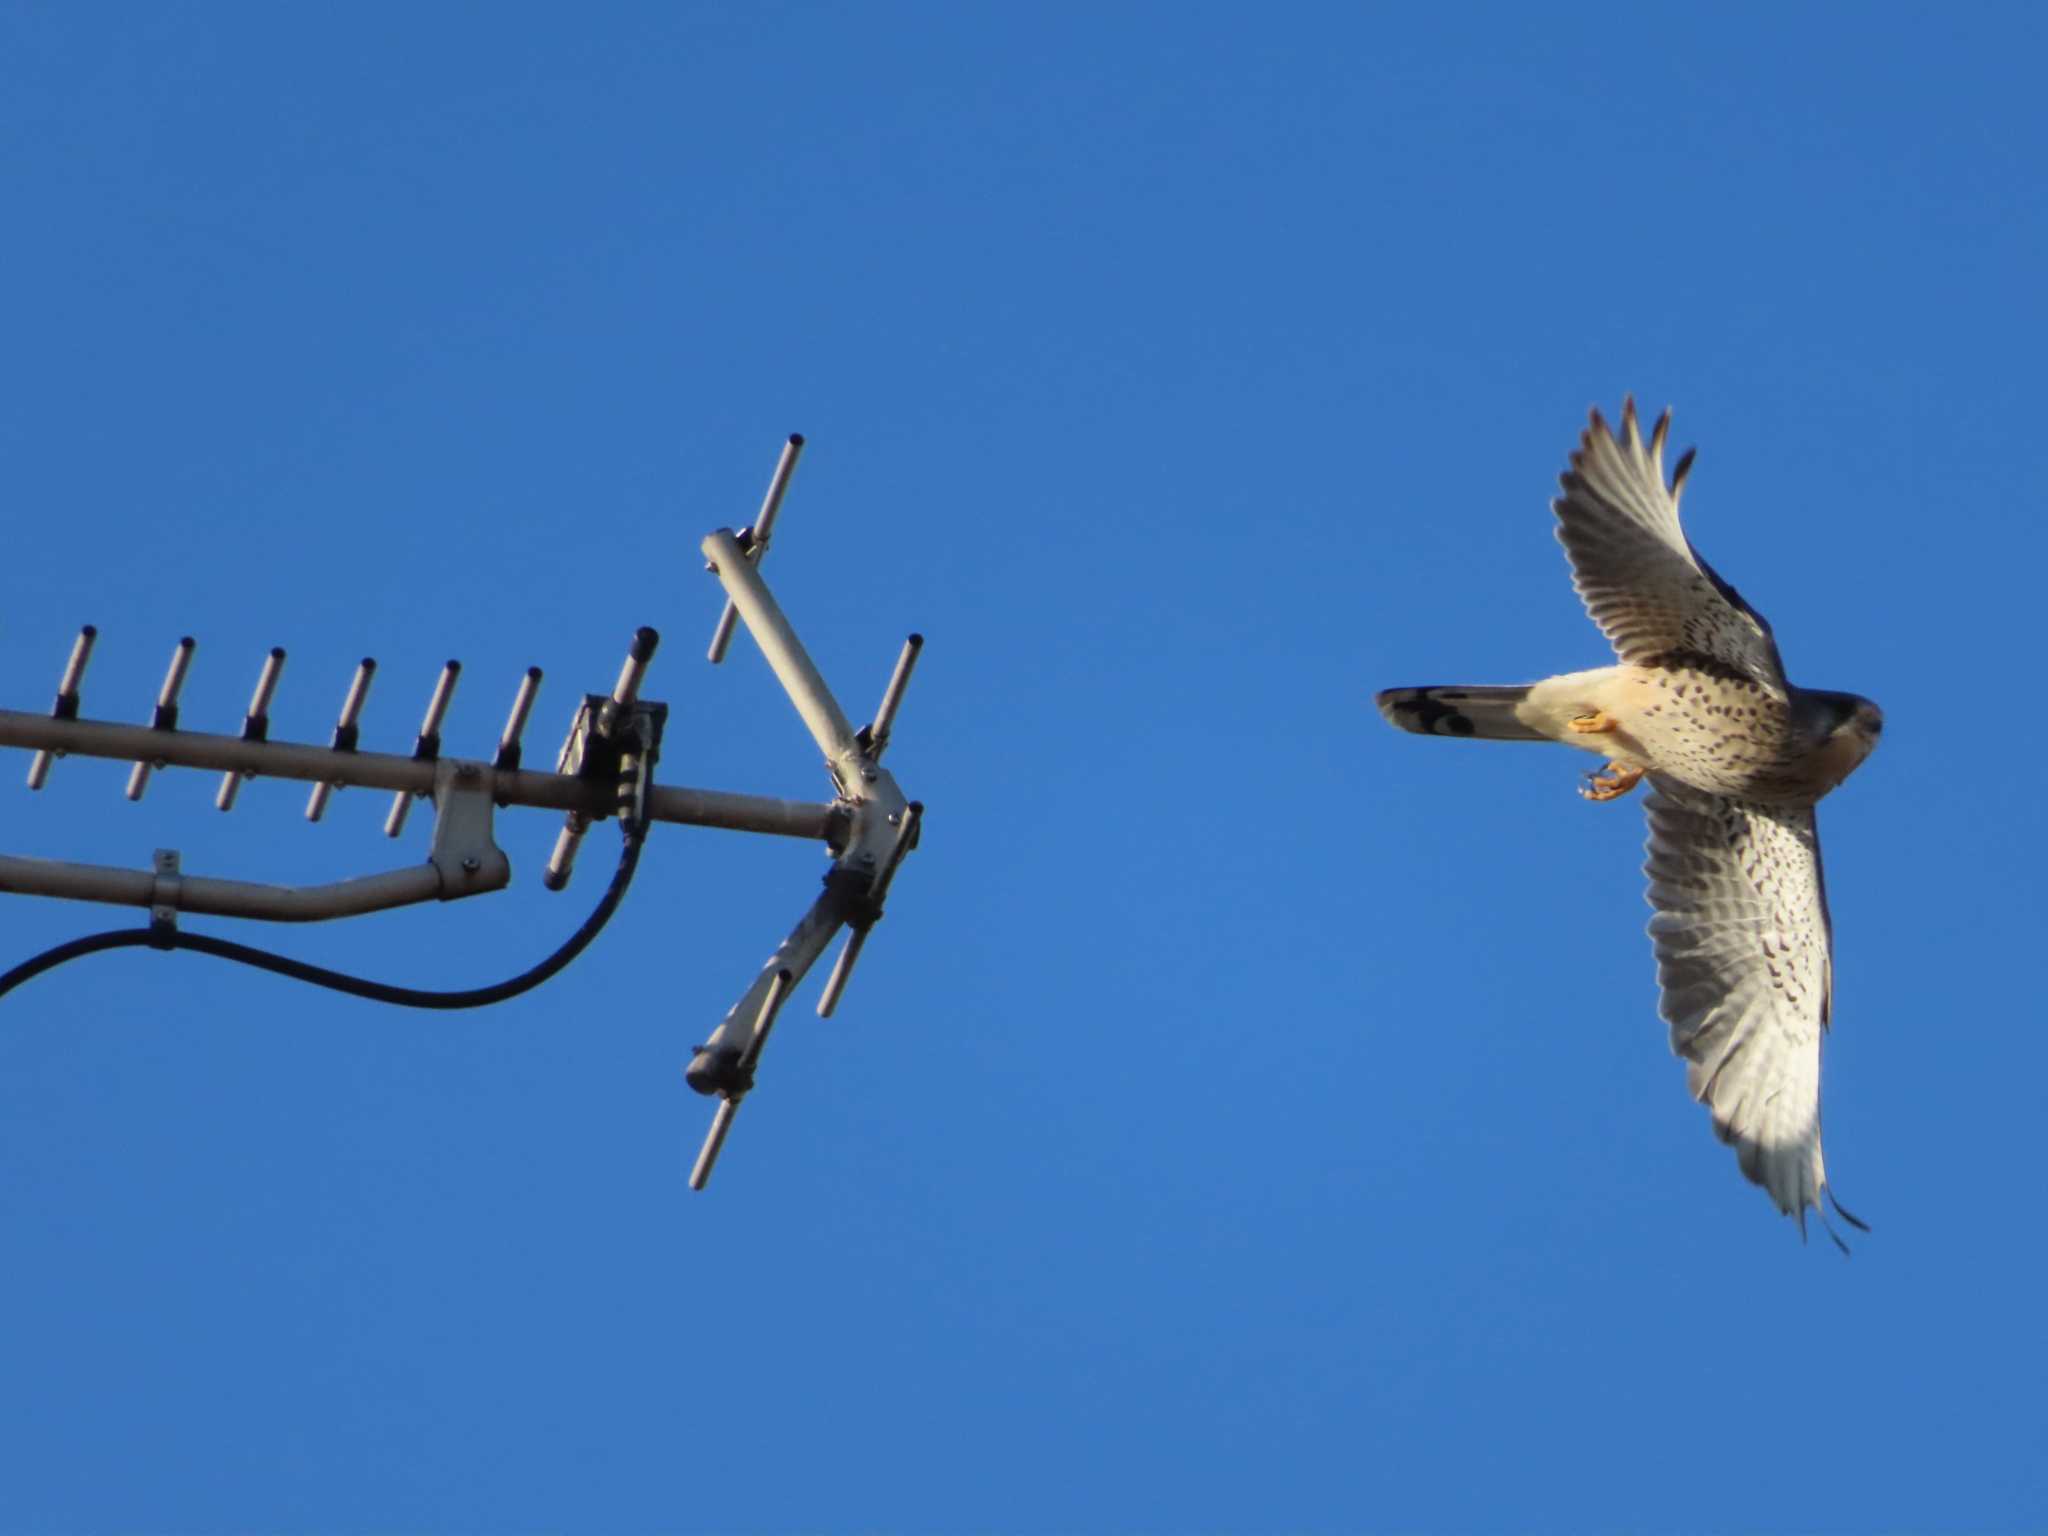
1248, 1119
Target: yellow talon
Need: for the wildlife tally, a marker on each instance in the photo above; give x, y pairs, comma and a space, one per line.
1597, 723
1613, 784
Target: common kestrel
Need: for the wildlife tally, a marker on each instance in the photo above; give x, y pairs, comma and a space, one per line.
1736, 757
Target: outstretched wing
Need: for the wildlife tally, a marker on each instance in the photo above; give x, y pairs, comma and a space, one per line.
1641, 580
1744, 958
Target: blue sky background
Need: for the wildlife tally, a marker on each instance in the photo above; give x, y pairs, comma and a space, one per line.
1248, 1119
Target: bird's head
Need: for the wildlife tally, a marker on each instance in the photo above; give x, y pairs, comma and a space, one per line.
1855, 716
1846, 726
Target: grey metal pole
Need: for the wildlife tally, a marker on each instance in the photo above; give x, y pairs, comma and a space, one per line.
714, 1142
223, 898
907, 825
166, 717
346, 730
759, 535
428, 743
632, 673
256, 724
383, 770
711, 1068
729, 1106
515, 725
786, 656
66, 707
892, 697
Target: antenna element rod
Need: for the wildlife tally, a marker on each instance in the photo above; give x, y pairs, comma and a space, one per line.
758, 536
729, 1105
166, 716
515, 727
791, 664
66, 707
427, 745
892, 696
255, 725
345, 733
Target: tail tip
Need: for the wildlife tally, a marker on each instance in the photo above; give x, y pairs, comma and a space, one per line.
1421, 710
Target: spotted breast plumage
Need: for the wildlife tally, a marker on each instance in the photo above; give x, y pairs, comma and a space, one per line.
1736, 756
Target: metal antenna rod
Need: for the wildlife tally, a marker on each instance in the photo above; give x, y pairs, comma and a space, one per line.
427, 745
388, 771
166, 716
729, 1104
786, 656
66, 707
255, 725
857, 932
714, 1142
346, 732
515, 727
842, 971
892, 696
757, 537
633, 671
562, 862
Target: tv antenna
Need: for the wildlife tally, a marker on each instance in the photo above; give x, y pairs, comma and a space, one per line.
606, 769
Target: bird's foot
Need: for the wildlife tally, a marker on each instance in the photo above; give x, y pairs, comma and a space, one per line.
1597, 723
1613, 784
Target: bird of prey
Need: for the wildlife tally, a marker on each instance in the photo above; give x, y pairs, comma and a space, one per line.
1736, 757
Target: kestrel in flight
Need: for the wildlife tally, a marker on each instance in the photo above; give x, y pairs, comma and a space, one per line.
1736, 757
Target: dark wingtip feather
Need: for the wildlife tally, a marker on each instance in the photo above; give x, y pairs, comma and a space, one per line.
1659, 432
1828, 1226
1846, 1214
1678, 474
1595, 423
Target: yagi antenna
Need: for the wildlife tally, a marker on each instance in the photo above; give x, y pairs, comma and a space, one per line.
606, 769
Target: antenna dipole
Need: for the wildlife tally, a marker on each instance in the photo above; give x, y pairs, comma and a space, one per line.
255, 724
883, 827
754, 539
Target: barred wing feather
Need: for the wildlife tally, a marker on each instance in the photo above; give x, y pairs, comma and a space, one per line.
1744, 962
1638, 575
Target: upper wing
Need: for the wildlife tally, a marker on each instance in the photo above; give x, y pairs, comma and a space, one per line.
1642, 581
1744, 958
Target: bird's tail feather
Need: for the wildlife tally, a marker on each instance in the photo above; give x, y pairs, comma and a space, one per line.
1486, 712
